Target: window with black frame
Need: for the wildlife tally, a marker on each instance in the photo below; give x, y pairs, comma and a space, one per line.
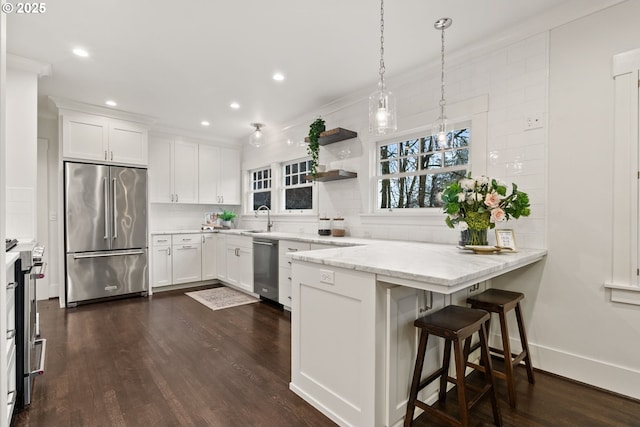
298, 192
413, 171
261, 187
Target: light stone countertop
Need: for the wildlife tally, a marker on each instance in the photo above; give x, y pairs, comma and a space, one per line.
430, 266
300, 237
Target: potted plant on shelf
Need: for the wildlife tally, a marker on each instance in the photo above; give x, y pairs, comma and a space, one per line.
313, 149
477, 204
227, 217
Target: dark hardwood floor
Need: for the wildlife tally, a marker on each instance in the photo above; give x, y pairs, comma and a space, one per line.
170, 361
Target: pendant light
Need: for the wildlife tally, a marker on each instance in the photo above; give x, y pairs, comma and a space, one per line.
440, 129
382, 103
257, 138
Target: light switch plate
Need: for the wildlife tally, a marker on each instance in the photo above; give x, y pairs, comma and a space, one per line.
326, 276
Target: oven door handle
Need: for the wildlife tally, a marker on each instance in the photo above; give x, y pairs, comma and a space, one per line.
39, 274
42, 342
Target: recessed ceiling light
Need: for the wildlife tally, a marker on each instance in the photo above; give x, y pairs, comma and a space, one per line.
205, 123
111, 103
278, 77
234, 105
80, 52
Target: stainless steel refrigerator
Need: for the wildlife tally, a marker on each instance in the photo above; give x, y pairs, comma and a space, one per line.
105, 231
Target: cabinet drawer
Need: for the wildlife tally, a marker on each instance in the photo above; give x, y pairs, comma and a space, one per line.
186, 239
284, 286
286, 247
240, 242
161, 240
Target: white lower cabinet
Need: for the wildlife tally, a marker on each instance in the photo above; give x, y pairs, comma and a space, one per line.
209, 259
285, 248
9, 364
161, 272
221, 256
186, 258
240, 262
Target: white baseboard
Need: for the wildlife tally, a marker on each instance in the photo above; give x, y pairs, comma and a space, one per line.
618, 379
320, 407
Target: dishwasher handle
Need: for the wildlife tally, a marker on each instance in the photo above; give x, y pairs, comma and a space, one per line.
258, 242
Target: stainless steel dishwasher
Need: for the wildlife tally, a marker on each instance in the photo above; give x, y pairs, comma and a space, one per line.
265, 268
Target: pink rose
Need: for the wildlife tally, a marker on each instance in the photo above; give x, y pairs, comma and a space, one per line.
492, 199
497, 215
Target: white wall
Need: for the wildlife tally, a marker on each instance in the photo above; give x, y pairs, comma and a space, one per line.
577, 330
21, 153
48, 203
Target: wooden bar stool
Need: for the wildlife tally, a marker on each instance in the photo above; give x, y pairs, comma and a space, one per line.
454, 324
501, 301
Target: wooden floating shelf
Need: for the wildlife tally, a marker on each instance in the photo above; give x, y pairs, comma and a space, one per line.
334, 135
332, 175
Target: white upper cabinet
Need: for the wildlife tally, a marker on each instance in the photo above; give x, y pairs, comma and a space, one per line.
209, 159
185, 172
229, 177
219, 175
102, 139
127, 143
173, 171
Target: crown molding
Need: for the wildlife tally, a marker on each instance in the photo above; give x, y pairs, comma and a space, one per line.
202, 137
69, 104
16, 62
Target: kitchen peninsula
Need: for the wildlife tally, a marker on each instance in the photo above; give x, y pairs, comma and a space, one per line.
353, 340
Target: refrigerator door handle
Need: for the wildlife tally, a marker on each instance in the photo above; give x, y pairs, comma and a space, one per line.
115, 210
106, 208
107, 254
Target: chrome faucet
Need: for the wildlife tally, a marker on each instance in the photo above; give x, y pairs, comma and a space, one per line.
269, 223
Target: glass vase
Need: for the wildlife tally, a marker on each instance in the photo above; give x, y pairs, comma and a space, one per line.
473, 237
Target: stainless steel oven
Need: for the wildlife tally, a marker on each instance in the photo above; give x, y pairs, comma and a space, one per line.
30, 348
265, 268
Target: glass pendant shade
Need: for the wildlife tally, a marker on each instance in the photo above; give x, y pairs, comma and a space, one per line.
440, 131
257, 138
382, 112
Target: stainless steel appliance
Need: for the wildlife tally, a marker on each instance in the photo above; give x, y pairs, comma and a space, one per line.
30, 350
265, 268
105, 231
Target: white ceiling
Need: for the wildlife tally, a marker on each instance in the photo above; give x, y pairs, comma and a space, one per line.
185, 61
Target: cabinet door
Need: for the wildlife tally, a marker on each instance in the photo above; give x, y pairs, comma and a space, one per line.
221, 256
233, 265
245, 264
84, 136
187, 263
128, 144
229, 176
208, 161
185, 172
209, 270
161, 272
160, 167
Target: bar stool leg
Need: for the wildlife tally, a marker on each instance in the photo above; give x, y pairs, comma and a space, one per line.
508, 361
445, 371
525, 345
485, 357
460, 379
415, 383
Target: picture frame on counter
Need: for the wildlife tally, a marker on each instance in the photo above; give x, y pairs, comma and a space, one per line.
506, 239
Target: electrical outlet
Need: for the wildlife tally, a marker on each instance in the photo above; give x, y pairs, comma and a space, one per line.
533, 121
326, 276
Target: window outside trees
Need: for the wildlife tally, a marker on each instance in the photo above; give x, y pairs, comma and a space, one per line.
412, 172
